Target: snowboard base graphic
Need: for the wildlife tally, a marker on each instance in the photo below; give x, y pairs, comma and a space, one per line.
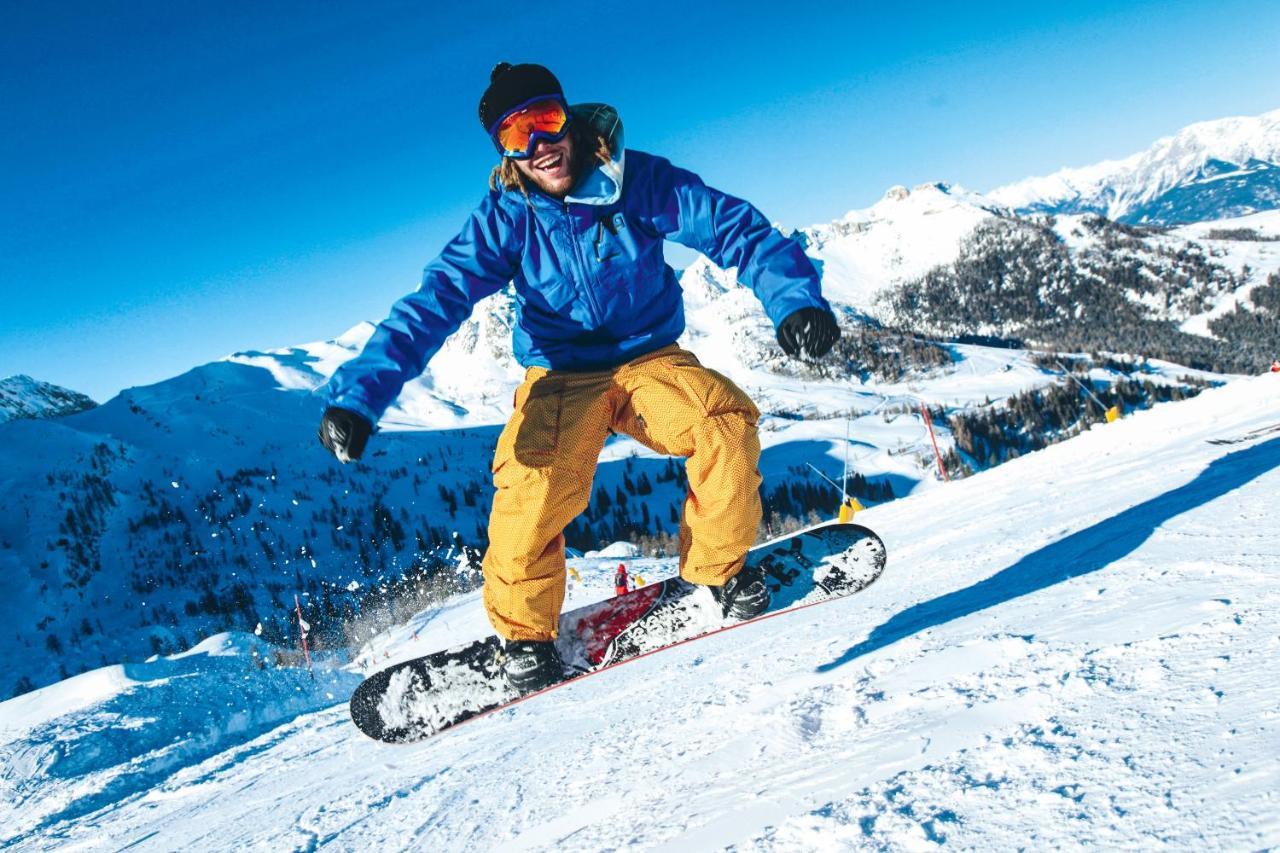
416, 699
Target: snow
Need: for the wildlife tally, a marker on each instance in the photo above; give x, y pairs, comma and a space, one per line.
111, 735
901, 237
1074, 648
1253, 260
1266, 223
24, 397
616, 549
58, 700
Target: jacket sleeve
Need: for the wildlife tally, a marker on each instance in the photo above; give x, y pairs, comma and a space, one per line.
477, 263
732, 233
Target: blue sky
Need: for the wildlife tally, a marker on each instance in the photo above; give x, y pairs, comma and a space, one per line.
185, 180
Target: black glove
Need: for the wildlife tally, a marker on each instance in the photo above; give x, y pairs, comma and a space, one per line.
809, 333
344, 432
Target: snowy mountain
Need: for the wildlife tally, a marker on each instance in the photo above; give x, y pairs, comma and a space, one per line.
1209, 170
1073, 649
202, 504
1088, 283
941, 260
24, 397
900, 238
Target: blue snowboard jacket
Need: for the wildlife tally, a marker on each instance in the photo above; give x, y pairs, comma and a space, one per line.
592, 289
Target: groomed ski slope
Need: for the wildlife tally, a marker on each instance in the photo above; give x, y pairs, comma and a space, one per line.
1078, 647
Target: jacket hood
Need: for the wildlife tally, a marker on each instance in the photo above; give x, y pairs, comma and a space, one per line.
603, 184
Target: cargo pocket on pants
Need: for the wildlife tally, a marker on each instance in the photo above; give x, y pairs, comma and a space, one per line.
532, 438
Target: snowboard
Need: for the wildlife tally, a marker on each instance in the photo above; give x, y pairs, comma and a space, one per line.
416, 699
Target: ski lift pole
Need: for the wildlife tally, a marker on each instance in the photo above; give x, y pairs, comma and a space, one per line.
848, 505
303, 628
928, 422
828, 479
1110, 414
845, 514
844, 476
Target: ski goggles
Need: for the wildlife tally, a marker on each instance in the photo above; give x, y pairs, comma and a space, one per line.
518, 132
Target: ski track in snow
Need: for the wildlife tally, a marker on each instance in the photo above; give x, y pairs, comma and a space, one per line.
1077, 647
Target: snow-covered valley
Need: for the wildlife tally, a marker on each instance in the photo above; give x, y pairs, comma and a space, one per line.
1076, 647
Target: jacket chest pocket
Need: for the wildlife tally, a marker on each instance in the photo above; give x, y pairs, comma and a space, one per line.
626, 259
613, 238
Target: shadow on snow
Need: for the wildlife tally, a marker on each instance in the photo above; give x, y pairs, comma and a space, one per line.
1083, 552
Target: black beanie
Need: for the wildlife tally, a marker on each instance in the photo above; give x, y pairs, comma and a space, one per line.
512, 85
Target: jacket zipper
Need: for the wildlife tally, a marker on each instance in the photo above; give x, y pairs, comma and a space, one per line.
594, 307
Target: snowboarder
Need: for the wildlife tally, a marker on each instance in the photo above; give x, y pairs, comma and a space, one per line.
620, 586
576, 222
1275, 366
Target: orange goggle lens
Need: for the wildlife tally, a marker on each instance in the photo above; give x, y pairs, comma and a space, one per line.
518, 132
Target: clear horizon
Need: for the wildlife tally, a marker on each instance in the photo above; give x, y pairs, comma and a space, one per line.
194, 182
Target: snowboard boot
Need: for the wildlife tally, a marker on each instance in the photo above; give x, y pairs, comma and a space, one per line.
745, 595
530, 665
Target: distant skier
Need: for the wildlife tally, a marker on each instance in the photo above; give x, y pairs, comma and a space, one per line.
1275, 366
620, 585
577, 224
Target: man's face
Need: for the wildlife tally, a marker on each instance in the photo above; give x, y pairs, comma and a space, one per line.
551, 166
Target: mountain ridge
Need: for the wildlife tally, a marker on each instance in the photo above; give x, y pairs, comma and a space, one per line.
23, 397
1207, 170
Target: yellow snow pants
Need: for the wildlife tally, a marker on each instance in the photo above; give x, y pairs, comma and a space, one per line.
546, 460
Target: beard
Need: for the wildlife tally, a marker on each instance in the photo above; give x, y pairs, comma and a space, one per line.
556, 187
580, 157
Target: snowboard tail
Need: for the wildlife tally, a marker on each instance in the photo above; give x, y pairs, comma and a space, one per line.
419, 698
